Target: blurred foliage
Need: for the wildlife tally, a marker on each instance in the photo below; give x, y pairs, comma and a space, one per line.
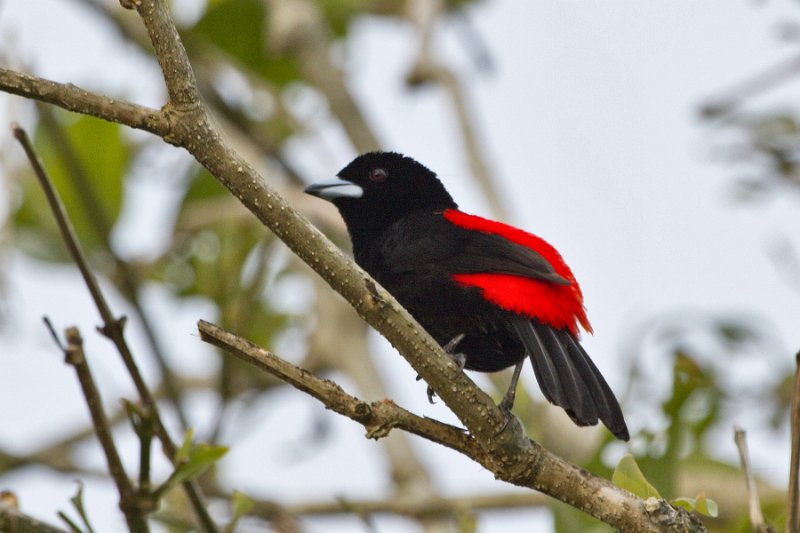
767, 145
87, 159
238, 28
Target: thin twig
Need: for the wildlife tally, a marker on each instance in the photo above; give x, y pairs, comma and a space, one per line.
426, 69
751, 87
128, 502
299, 27
64, 225
754, 503
408, 506
58, 455
113, 327
101, 224
794, 491
422, 507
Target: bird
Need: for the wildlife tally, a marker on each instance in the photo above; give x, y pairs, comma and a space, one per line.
492, 294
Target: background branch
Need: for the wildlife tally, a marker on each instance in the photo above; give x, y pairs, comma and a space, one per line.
128, 501
112, 327
793, 494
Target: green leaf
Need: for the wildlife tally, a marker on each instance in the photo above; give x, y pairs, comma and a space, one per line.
628, 476
201, 458
685, 503
242, 505
706, 506
191, 460
186, 447
700, 504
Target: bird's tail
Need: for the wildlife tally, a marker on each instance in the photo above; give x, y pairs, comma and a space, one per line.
569, 378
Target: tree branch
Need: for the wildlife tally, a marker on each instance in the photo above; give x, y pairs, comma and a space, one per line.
736, 96
754, 504
102, 226
298, 27
793, 494
72, 98
128, 502
426, 69
378, 418
112, 327
421, 508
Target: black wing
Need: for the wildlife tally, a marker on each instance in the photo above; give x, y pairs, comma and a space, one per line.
426, 241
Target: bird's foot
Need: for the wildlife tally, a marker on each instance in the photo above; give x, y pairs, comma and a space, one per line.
507, 402
451, 345
458, 358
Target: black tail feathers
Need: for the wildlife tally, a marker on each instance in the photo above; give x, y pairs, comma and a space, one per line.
569, 378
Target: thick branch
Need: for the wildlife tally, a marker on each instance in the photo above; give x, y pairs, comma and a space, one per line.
72, 98
378, 418
170, 53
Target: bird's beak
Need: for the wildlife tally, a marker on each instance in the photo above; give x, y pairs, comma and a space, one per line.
334, 188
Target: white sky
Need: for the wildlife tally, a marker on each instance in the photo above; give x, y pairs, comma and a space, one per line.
589, 121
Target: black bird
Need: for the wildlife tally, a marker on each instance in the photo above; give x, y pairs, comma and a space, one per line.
491, 293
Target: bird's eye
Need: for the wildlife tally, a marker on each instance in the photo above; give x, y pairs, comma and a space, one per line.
378, 174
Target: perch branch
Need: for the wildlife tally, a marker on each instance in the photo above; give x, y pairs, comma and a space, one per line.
378, 418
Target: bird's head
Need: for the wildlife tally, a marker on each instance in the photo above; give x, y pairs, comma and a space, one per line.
378, 188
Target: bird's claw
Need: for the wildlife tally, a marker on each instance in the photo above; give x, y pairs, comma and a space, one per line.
451, 345
459, 359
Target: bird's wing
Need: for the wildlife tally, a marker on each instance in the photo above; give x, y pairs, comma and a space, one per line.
494, 254
428, 241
